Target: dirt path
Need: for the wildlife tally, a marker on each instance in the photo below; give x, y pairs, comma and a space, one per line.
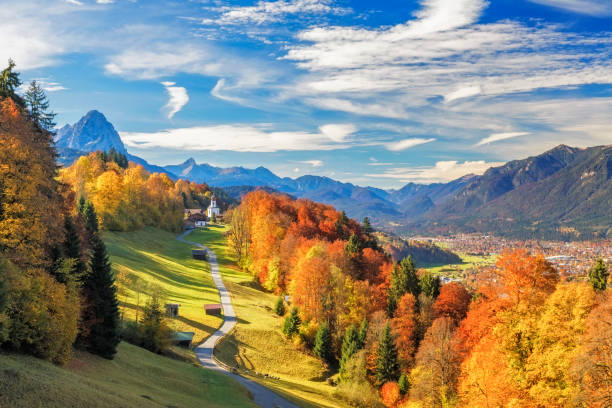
261, 395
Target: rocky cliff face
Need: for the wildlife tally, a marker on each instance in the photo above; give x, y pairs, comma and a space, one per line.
93, 132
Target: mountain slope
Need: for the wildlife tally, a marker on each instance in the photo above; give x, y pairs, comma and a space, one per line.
565, 192
92, 132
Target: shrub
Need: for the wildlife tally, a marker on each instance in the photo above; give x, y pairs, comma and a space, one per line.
279, 306
355, 387
390, 393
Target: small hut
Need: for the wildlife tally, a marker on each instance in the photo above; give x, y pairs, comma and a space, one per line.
199, 254
214, 309
172, 309
183, 339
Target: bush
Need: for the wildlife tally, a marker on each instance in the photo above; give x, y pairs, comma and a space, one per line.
279, 306
355, 387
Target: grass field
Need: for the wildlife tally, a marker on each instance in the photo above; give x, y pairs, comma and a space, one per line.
152, 258
257, 344
135, 378
457, 270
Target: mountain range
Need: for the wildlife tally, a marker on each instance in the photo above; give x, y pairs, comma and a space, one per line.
563, 193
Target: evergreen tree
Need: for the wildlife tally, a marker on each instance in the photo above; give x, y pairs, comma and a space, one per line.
292, 323
366, 226
363, 333
155, 333
38, 104
430, 285
387, 366
102, 312
91, 218
353, 247
9, 82
323, 343
404, 385
404, 279
350, 345
213, 219
72, 249
81, 203
279, 306
598, 275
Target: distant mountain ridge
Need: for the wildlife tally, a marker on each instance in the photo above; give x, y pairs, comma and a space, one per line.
564, 192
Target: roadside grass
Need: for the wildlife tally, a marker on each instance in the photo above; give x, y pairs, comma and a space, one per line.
152, 258
135, 378
256, 343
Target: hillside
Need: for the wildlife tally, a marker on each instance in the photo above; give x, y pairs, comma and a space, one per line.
134, 379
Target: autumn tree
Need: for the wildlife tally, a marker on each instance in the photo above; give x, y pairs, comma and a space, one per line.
404, 324
390, 394
434, 377
453, 302
238, 233
387, 366
598, 275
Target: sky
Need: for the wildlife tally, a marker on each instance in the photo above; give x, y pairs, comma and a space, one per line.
376, 93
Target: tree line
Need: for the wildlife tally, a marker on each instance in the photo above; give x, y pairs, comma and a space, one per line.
519, 337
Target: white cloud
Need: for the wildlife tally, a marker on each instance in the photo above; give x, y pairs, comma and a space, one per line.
177, 98
240, 138
272, 11
500, 136
595, 8
105, 1
313, 163
463, 93
75, 2
407, 143
443, 171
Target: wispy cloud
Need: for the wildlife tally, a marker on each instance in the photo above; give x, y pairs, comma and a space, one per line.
407, 143
496, 137
241, 138
272, 11
313, 163
595, 8
443, 171
177, 98
75, 2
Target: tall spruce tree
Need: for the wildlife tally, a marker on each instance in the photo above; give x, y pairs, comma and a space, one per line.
103, 309
292, 323
9, 82
38, 105
91, 218
404, 279
73, 249
354, 245
350, 345
387, 366
366, 226
323, 343
598, 275
363, 333
430, 285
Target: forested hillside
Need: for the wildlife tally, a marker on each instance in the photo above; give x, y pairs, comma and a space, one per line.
519, 337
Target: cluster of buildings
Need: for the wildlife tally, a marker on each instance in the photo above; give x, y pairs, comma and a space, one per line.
199, 217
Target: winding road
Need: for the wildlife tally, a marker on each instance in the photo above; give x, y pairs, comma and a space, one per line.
262, 396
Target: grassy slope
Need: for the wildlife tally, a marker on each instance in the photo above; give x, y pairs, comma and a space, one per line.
135, 378
157, 258
256, 343
457, 270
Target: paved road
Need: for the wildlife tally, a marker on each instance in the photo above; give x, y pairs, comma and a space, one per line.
261, 395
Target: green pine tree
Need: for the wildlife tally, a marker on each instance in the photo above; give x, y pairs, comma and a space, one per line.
9, 82
38, 105
366, 226
350, 345
323, 343
598, 275
155, 333
404, 384
213, 219
91, 218
363, 333
279, 306
353, 246
430, 285
103, 311
292, 323
387, 366
404, 279
73, 250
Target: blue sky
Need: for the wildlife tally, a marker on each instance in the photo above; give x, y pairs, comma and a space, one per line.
376, 93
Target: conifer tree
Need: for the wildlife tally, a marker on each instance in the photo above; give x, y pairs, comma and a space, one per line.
350, 345
363, 333
598, 275
323, 343
279, 306
73, 250
404, 385
366, 226
387, 366
430, 285
9, 82
38, 104
102, 311
353, 247
292, 323
88, 211
403, 280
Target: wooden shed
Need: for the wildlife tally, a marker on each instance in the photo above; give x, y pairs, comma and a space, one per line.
200, 254
172, 309
214, 309
183, 339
